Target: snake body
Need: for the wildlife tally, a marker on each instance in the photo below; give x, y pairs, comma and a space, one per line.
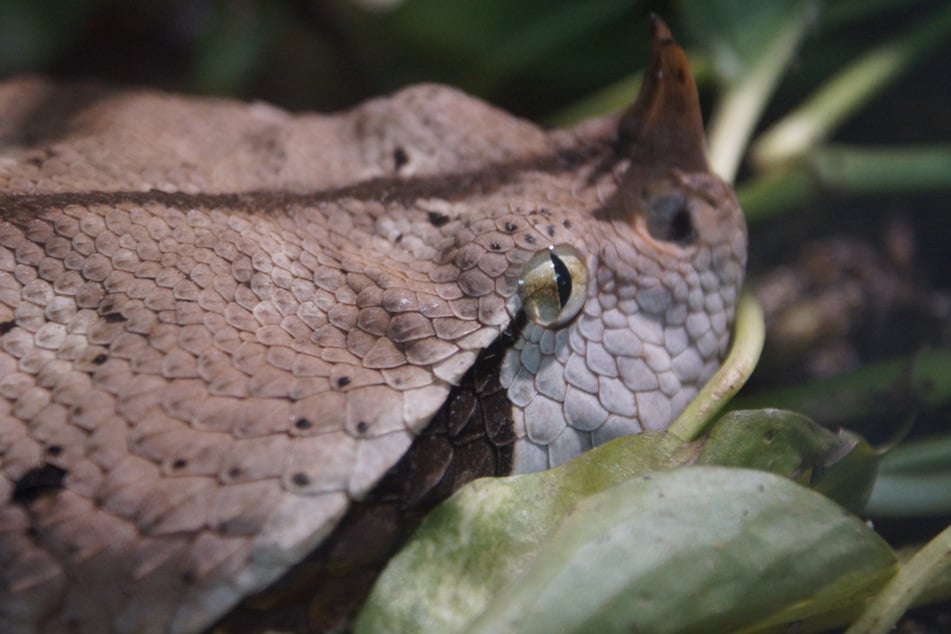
222, 324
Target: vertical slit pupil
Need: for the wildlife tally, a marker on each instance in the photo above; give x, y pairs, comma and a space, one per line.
562, 279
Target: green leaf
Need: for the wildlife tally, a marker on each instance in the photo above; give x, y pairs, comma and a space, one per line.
699, 549
484, 536
842, 465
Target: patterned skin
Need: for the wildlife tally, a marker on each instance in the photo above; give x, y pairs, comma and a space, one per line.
222, 324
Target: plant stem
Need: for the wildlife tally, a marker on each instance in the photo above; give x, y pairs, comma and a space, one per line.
912, 580
747, 346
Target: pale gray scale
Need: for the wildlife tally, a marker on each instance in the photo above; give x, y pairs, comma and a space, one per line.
579, 374
550, 379
709, 345
669, 382
583, 410
688, 365
654, 409
542, 420
615, 397
529, 457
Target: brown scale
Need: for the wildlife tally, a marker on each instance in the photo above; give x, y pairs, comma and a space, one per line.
470, 437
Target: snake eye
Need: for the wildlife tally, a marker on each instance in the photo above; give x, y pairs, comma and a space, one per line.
553, 286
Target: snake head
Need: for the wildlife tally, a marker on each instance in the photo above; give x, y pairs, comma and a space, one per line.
668, 194
665, 252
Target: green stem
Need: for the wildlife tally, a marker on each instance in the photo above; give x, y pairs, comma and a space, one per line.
851, 88
747, 346
912, 580
740, 107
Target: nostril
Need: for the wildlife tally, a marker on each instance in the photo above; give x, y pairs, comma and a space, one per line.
669, 219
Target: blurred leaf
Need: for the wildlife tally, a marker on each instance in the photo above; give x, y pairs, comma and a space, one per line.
737, 32
751, 53
923, 380
230, 53
850, 89
699, 549
32, 33
914, 480
493, 40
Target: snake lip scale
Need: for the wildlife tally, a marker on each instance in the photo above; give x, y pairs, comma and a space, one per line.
242, 351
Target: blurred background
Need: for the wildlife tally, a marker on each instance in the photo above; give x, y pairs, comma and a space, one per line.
833, 118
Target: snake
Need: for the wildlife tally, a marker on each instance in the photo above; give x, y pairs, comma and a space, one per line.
241, 345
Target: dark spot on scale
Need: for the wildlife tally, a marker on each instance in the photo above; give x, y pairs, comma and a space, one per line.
179, 463
7, 326
234, 473
437, 219
188, 577
567, 224
54, 451
303, 423
510, 227
38, 482
495, 246
113, 318
400, 158
300, 479
550, 230
530, 239
398, 239
343, 381
681, 76
100, 358
362, 427
546, 213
